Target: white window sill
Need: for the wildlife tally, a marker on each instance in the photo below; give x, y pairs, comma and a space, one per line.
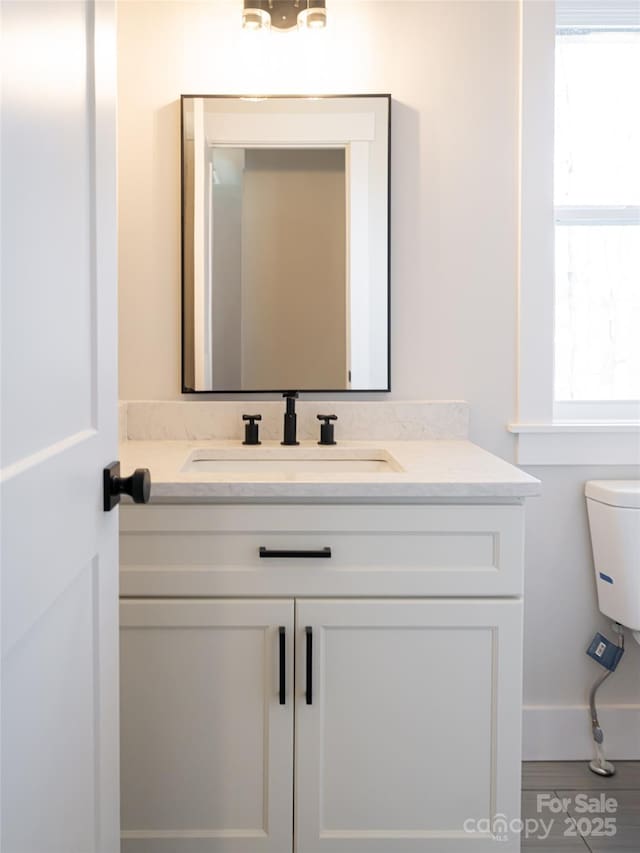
578, 443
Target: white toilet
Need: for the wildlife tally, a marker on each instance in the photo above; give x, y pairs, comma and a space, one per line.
614, 519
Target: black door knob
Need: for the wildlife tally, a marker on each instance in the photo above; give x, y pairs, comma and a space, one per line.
137, 486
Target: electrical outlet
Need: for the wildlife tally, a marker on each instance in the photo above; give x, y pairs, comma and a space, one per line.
605, 652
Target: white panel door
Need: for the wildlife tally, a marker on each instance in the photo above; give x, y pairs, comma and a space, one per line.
207, 745
59, 428
413, 726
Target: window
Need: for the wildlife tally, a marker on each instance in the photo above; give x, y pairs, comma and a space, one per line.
597, 205
579, 376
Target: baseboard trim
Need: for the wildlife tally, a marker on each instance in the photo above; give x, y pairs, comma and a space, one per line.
563, 733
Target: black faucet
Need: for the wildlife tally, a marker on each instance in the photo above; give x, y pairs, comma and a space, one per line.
290, 418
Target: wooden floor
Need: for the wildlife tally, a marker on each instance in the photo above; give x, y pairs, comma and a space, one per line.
569, 787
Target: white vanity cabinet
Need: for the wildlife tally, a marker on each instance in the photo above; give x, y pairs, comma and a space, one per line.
413, 726
401, 657
206, 746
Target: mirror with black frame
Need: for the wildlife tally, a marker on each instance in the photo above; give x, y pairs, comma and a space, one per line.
285, 243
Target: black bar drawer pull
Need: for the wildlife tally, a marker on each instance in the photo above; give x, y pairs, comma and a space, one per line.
283, 665
274, 553
309, 688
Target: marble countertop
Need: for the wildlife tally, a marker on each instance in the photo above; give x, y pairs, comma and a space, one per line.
436, 469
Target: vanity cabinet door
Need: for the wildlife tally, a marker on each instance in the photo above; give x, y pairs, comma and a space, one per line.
206, 745
413, 726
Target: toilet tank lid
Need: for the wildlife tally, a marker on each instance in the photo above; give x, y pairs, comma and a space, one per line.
625, 493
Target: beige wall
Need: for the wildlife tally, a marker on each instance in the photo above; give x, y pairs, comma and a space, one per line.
452, 68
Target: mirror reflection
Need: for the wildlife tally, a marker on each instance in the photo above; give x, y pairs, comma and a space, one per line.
285, 285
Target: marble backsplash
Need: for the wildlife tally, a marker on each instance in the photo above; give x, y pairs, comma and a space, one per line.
197, 421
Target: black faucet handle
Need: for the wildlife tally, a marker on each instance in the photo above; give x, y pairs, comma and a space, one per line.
251, 429
290, 419
326, 430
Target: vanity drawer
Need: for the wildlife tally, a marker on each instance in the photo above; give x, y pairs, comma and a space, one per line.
377, 550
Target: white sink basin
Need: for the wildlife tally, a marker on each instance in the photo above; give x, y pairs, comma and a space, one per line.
288, 462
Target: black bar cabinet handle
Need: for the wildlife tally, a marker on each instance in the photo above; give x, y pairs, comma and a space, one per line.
274, 553
283, 665
309, 688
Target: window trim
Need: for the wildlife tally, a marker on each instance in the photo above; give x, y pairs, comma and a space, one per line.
609, 15
543, 437
574, 214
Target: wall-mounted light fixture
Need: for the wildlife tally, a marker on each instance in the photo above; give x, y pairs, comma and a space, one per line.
284, 14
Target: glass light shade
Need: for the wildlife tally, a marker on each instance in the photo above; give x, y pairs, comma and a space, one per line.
255, 15
313, 15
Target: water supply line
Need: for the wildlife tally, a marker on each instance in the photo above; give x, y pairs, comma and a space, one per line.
600, 766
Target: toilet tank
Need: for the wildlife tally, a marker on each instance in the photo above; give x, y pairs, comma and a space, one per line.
614, 520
